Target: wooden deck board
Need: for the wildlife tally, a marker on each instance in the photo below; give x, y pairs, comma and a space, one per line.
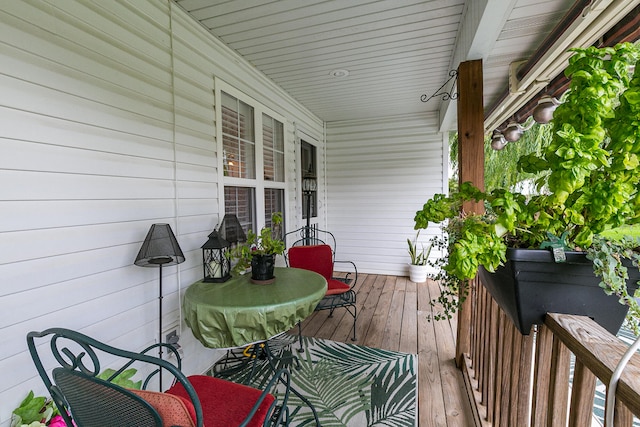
393, 315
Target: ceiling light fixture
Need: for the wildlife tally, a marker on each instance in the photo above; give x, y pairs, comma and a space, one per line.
339, 73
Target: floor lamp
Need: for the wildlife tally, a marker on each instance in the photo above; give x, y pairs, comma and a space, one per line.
159, 248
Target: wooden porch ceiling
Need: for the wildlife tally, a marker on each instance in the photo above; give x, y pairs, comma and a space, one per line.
394, 50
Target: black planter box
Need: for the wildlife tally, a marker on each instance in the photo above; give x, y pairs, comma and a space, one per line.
531, 284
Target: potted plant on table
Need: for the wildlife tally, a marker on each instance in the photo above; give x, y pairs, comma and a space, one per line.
259, 252
589, 186
418, 266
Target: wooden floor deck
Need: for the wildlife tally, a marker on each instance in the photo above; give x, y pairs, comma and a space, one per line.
392, 315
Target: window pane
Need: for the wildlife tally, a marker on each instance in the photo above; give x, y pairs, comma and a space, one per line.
240, 201
246, 122
229, 115
273, 202
238, 138
273, 144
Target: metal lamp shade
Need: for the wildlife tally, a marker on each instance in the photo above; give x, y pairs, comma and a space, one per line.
231, 229
215, 261
160, 247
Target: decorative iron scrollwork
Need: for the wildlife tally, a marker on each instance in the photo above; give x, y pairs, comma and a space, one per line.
446, 94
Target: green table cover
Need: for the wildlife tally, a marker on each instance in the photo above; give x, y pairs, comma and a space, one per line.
237, 312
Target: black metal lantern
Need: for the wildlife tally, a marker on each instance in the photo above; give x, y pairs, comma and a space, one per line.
309, 186
215, 262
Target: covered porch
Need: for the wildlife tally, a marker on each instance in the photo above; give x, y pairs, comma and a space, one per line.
111, 123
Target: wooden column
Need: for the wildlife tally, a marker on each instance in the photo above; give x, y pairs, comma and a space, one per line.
471, 165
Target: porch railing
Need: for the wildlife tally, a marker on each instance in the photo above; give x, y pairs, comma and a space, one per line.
518, 380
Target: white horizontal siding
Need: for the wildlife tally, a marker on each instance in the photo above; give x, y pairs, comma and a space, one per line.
107, 125
379, 173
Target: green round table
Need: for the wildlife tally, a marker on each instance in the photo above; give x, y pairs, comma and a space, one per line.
237, 312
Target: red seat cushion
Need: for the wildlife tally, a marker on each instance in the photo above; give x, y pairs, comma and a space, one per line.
318, 258
225, 403
335, 287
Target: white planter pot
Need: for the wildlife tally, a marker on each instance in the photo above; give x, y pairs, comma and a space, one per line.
418, 273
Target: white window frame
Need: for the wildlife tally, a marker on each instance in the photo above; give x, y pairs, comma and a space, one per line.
259, 184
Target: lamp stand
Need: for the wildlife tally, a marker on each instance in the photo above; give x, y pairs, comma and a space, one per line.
160, 326
307, 230
160, 261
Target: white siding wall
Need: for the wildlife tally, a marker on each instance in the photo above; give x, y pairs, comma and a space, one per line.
106, 127
379, 173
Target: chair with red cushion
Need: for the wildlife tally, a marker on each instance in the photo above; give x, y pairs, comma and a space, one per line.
319, 258
311, 236
89, 397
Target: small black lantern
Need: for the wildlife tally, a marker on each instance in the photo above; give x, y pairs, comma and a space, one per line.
309, 186
215, 262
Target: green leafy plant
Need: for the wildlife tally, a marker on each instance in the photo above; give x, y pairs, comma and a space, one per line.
418, 257
34, 410
608, 263
268, 242
123, 379
588, 176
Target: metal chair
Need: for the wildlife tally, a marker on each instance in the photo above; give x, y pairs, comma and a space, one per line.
89, 398
314, 249
314, 236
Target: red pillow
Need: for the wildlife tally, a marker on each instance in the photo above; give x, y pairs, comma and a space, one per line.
225, 403
318, 258
174, 410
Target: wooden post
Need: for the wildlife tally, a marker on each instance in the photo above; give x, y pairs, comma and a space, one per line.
471, 166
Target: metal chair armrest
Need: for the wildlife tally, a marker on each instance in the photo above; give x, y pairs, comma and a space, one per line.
354, 272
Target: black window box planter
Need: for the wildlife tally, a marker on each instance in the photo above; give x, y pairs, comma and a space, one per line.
531, 284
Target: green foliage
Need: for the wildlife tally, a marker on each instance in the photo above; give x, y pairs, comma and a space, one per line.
587, 173
421, 257
607, 257
123, 379
268, 242
502, 168
33, 409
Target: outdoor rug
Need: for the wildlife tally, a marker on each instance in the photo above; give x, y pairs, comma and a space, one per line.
349, 385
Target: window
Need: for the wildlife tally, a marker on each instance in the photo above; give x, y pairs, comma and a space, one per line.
240, 201
273, 202
238, 138
252, 165
273, 149
309, 168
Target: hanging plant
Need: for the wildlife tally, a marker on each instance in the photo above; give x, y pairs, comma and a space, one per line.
588, 177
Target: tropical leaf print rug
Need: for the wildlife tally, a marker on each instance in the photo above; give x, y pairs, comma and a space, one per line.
348, 385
